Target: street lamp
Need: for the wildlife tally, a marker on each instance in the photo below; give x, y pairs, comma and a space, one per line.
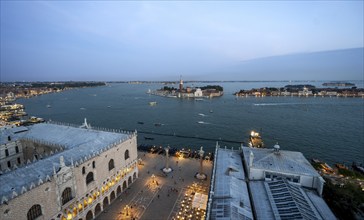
127, 210
153, 178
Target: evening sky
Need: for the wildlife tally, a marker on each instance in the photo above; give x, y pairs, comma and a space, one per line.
96, 40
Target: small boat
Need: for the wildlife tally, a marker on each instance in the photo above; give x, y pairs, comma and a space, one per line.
140, 122
49, 106
109, 106
211, 111
148, 138
200, 122
358, 168
152, 103
158, 124
200, 114
341, 166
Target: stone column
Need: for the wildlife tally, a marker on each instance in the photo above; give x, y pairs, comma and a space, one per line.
167, 169
201, 175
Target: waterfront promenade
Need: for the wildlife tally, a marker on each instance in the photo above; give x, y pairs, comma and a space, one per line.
155, 195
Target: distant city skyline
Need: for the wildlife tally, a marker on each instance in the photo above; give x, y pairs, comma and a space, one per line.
121, 41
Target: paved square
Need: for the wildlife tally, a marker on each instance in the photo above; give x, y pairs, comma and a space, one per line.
155, 195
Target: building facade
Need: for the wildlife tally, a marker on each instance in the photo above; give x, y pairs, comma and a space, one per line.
90, 169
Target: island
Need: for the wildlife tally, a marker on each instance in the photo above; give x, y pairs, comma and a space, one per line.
302, 91
209, 91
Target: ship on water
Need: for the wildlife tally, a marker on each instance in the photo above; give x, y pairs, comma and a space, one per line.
255, 140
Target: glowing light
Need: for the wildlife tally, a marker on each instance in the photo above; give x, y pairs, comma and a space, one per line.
69, 216
89, 200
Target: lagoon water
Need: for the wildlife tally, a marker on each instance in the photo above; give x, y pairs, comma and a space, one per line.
330, 129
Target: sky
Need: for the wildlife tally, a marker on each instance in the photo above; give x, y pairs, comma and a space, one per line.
105, 41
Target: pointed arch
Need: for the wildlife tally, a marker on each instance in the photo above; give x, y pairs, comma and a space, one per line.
111, 164
129, 180
66, 195
105, 202
89, 215
112, 196
89, 178
34, 212
124, 186
126, 155
97, 209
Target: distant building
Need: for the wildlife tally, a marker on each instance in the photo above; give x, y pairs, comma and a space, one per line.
198, 92
269, 184
305, 92
75, 172
180, 84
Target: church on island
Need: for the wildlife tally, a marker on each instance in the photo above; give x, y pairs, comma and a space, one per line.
209, 91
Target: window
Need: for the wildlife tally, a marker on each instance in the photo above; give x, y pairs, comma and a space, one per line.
16, 149
34, 212
89, 178
93, 164
6, 152
66, 195
111, 164
126, 155
18, 160
83, 170
9, 164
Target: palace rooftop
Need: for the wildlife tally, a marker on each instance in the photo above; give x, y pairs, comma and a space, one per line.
75, 145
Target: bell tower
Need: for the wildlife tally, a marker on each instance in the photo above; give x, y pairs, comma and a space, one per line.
180, 83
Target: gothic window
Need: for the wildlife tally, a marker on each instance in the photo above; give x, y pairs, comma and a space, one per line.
89, 178
111, 164
34, 212
16, 149
93, 164
6, 152
126, 155
66, 195
83, 170
9, 164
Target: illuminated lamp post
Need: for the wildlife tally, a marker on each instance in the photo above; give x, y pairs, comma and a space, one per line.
153, 178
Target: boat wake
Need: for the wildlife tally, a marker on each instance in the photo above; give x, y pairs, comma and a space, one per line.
274, 104
202, 122
200, 114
